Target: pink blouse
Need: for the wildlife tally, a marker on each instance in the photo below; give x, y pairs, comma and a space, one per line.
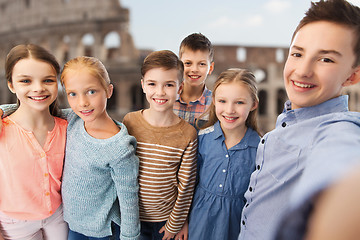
30, 175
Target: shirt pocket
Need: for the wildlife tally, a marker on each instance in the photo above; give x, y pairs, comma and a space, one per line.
283, 160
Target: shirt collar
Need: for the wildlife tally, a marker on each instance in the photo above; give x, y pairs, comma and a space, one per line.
201, 99
251, 138
338, 104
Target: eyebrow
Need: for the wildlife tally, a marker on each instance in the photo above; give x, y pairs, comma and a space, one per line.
324, 51
25, 75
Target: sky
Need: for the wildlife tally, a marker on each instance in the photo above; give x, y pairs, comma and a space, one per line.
162, 24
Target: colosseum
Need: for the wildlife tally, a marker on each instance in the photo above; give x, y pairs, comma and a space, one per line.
70, 28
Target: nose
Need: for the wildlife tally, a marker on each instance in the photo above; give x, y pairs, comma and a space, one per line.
230, 108
194, 68
83, 101
160, 90
304, 69
38, 86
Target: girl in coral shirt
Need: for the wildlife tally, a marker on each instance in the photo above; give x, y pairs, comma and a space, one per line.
32, 144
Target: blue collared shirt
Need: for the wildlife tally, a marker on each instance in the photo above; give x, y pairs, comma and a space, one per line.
223, 177
307, 140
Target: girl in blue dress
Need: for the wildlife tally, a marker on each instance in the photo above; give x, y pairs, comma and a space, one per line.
226, 157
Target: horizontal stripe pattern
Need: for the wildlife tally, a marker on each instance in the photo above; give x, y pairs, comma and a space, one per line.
167, 170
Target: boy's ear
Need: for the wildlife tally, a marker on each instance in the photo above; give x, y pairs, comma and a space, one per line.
180, 88
10, 86
142, 85
211, 68
354, 78
110, 90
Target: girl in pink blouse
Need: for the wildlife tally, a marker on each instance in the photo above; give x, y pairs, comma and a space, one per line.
32, 143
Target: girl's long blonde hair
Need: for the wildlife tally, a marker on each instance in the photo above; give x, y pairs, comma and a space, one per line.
241, 76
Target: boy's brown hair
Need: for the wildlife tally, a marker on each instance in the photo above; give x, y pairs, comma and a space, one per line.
335, 11
197, 41
163, 59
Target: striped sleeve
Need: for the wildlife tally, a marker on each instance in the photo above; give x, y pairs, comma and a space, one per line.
186, 183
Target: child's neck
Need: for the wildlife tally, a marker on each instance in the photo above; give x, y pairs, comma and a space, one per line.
102, 127
37, 122
191, 93
233, 137
160, 119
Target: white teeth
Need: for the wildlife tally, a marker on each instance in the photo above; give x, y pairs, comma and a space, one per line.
39, 98
194, 77
230, 118
159, 101
302, 85
86, 111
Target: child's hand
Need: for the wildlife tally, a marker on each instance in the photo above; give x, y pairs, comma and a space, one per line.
183, 234
167, 235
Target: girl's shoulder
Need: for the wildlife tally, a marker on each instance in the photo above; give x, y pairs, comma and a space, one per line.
60, 121
207, 130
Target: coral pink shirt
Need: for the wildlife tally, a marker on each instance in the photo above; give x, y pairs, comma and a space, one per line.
30, 175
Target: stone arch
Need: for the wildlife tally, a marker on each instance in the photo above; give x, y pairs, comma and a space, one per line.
263, 102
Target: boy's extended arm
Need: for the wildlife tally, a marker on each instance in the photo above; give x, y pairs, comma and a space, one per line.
186, 183
1, 237
336, 214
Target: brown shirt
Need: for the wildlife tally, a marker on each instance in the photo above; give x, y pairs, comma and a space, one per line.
167, 169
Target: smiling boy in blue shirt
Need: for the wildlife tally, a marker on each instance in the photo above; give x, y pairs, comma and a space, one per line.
316, 139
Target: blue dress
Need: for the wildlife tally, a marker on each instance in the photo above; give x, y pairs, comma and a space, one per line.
223, 178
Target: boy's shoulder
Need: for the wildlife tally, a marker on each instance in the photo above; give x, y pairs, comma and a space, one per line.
187, 129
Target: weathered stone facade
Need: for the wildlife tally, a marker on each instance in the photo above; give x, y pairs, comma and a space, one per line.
70, 28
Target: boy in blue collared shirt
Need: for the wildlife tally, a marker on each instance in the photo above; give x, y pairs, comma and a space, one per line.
316, 139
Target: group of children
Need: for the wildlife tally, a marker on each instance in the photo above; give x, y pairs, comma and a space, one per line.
193, 164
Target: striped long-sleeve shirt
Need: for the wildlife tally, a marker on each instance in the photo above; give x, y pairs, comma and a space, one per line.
167, 169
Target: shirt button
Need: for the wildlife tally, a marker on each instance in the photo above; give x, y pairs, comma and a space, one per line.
46, 174
220, 185
263, 141
250, 189
47, 194
258, 167
226, 155
247, 205
224, 170
42, 155
283, 124
243, 222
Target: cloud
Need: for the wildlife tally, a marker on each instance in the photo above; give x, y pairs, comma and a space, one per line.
227, 22
254, 21
277, 6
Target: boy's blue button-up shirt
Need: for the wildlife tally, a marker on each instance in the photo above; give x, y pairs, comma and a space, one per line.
321, 142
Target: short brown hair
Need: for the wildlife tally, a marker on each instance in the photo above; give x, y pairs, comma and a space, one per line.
163, 59
336, 11
197, 41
